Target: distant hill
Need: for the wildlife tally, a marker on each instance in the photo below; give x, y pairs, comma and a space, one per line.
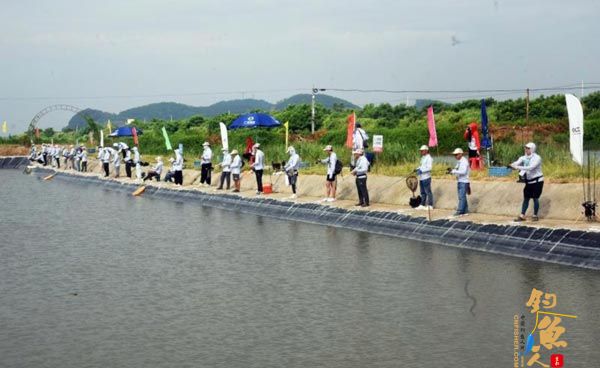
168, 110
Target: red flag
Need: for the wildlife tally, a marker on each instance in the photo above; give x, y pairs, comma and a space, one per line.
135, 137
248, 153
350, 132
431, 124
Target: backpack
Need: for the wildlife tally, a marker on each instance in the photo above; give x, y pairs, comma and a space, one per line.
365, 138
242, 163
338, 167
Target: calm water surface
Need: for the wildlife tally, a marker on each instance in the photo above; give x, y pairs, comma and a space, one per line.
96, 278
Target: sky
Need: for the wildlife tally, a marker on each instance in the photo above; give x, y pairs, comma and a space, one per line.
114, 55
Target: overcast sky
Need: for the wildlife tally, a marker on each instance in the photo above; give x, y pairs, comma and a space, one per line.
113, 55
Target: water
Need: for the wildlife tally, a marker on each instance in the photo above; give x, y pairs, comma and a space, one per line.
94, 278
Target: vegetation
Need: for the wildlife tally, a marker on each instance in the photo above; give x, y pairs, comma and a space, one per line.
403, 127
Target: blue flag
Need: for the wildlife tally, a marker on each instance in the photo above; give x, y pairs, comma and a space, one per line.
486, 141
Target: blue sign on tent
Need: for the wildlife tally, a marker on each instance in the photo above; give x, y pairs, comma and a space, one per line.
125, 131
254, 120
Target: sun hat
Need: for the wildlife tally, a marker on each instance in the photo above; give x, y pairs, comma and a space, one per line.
457, 151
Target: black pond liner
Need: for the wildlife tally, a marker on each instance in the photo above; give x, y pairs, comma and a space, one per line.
562, 246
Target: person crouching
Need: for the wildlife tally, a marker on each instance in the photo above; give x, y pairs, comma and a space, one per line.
360, 171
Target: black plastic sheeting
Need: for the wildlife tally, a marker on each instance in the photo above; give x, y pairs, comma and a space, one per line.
16, 162
563, 246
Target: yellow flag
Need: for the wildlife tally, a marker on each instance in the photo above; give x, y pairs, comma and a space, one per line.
109, 127
4, 127
287, 128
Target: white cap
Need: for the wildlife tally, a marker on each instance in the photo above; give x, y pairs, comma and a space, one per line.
358, 152
205, 144
328, 148
158, 158
290, 149
424, 148
457, 151
256, 145
234, 152
530, 145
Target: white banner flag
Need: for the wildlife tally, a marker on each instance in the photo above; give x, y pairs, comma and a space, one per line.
575, 128
101, 138
224, 138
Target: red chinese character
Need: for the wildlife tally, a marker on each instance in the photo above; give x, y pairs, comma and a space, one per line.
557, 361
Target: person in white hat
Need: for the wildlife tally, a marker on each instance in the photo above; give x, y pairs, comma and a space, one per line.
155, 171
424, 173
177, 167
104, 158
236, 169
360, 171
84, 159
226, 167
137, 162
258, 166
530, 173
116, 159
330, 178
461, 171
291, 169
206, 165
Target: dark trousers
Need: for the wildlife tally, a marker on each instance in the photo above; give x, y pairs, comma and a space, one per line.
205, 174
45, 156
361, 188
152, 174
128, 169
259, 174
84, 166
104, 166
57, 162
225, 176
178, 176
293, 179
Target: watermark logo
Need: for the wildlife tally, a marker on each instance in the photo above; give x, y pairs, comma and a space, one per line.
547, 335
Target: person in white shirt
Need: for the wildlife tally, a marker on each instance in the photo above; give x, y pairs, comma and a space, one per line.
116, 159
156, 170
226, 167
330, 178
236, 169
359, 140
105, 159
461, 171
530, 172
178, 167
424, 172
128, 162
206, 165
84, 159
258, 166
360, 171
291, 169
137, 162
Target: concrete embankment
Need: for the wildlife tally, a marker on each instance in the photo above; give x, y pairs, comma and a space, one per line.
579, 247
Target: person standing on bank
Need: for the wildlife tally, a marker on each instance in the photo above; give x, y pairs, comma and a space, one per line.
424, 172
128, 161
206, 167
137, 162
105, 159
359, 141
530, 172
226, 167
330, 178
178, 168
291, 170
236, 169
258, 166
84, 159
360, 171
461, 171
116, 160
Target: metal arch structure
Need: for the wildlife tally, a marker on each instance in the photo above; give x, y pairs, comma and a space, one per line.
48, 110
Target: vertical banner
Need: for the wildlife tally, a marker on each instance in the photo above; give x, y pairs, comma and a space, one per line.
287, 134
487, 142
4, 127
350, 130
433, 141
224, 137
575, 112
167, 141
109, 126
101, 138
135, 136
181, 148
377, 143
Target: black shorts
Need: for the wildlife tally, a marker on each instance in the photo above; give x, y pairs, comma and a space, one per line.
533, 190
473, 153
236, 177
331, 177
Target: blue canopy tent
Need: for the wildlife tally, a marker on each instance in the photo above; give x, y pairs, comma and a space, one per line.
255, 120
125, 131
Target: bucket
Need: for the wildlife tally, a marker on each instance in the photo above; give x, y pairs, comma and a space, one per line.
267, 189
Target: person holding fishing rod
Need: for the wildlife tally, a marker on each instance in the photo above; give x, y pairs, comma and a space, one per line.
461, 171
530, 173
291, 170
424, 172
360, 171
334, 167
236, 169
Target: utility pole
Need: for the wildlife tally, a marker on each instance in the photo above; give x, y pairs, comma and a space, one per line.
312, 115
527, 107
